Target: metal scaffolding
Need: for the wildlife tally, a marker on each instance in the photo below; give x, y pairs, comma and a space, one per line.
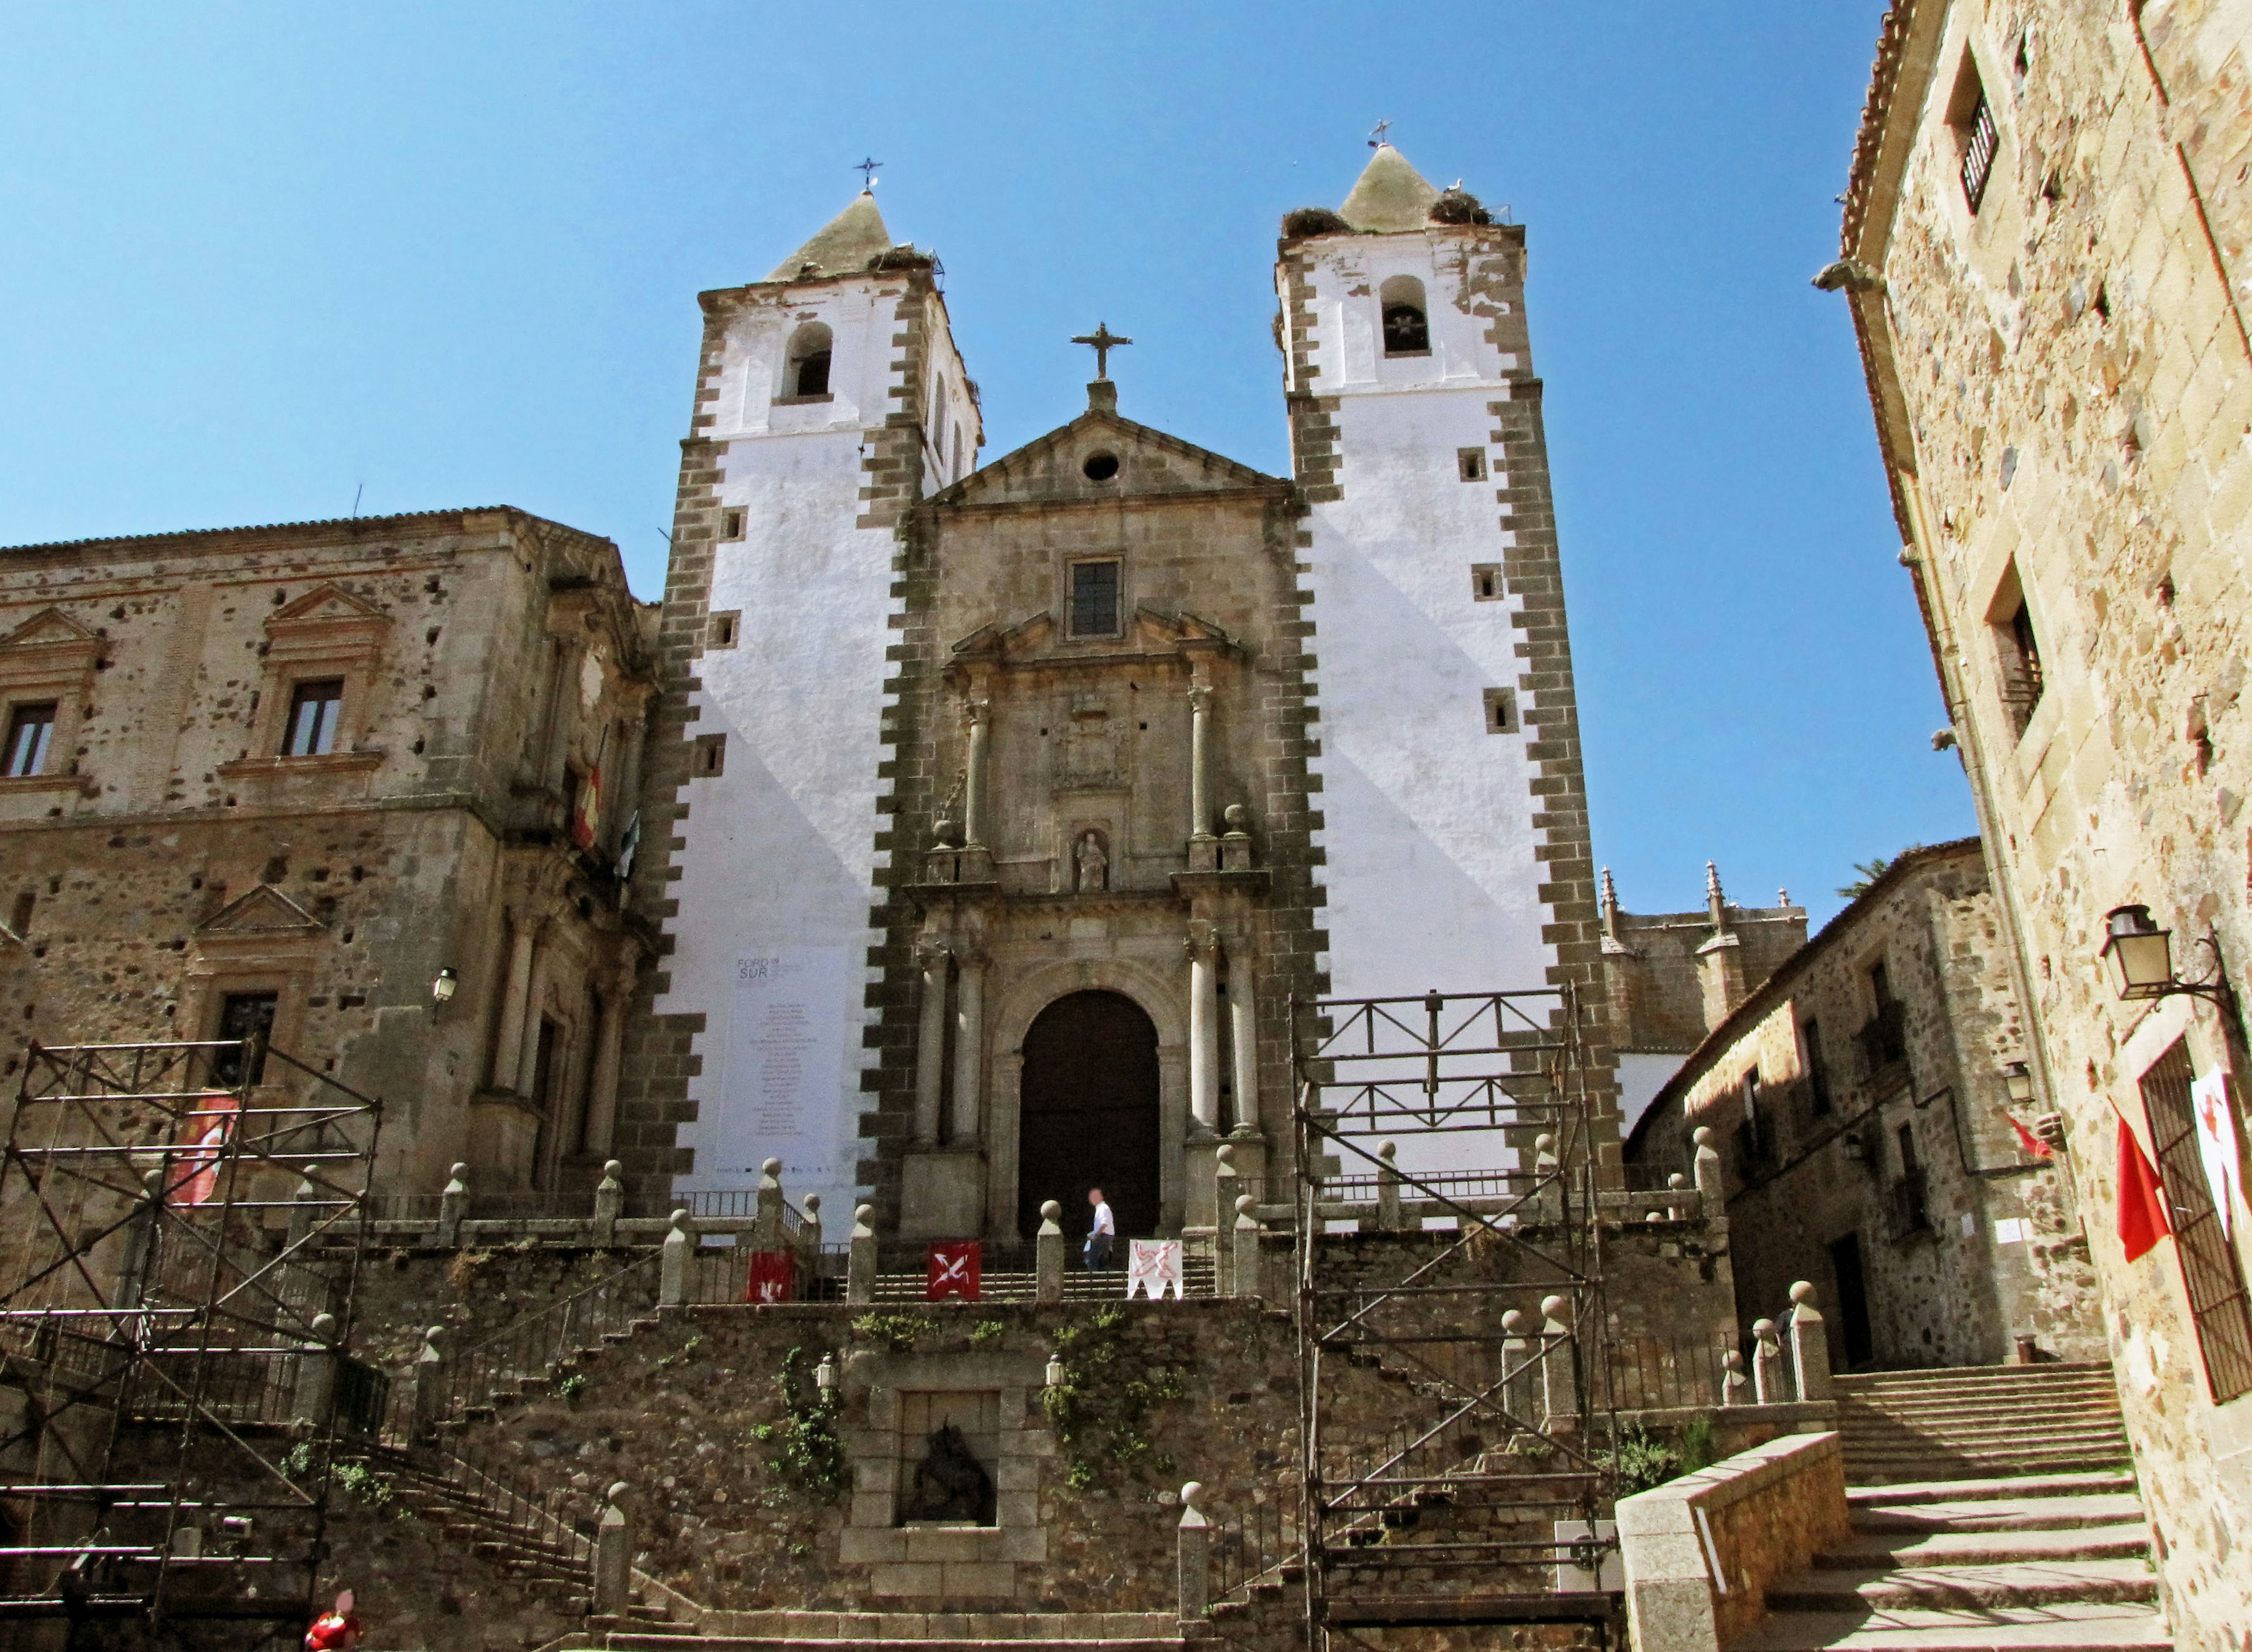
181, 1226
1483, 1496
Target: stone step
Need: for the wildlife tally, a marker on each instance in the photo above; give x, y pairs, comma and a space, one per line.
2082, 1582
2060, 1512
1951, 1412
2053, 1628
1873, 1468
2048, 1371
1958, 1547
1860, 1419
953, 1628
2064, 1485
617, 1641
1973, 1427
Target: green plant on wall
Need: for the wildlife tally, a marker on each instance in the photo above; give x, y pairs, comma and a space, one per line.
806, 1453
896, 1331
1698, 1449
1101, 1410
1641, 1459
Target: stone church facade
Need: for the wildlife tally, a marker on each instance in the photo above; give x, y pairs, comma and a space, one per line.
996, 815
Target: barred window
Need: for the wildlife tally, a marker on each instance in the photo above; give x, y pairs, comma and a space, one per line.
1095, 598
1979, 144
2210, 1273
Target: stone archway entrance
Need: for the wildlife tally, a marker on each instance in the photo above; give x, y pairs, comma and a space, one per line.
1088, 1114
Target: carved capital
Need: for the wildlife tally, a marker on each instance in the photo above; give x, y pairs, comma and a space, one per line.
1201, 698
1202, 941
976, 713
932, 954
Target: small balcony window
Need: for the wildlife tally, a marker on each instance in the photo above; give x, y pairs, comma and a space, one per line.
315, 709
30, 731
1095, 598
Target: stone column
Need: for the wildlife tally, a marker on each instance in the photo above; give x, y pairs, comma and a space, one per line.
1199, 762
609, 1054
861, 1259
613, 1578
672, 1265
968, 1049
430, 1388
516, 996
1048, 1255
1388, 1218
931, 1045
1711, 1184
979, 716
1767, 1363
1195, 1536
316, 1375
527, 1060
1809, 1344
1204, 1029
610, 1204
454, 1206
1248, 1265
1243, 1032
1560, 1393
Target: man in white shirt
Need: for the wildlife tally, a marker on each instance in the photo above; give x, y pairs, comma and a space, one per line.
1104, 1236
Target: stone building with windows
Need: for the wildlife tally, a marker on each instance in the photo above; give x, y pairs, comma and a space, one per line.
1670, 977
1870, 1104
996, 815
2044, 250
285, 780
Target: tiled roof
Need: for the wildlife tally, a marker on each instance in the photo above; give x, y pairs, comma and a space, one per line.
274, 527
1884, 80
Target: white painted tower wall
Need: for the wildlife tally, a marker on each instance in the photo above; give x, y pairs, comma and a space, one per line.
1428, 817
779, 851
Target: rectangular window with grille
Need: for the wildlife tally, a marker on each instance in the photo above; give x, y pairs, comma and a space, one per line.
2211, 1272
1095, 598
31, 731
1979, 141
314, 710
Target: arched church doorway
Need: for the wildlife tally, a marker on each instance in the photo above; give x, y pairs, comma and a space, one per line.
1088, 1114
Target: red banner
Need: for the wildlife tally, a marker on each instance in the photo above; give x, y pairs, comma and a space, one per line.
2142, 1205
956, 1270
773, 1277
203, 1133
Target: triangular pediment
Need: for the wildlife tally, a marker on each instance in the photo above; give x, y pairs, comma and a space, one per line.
1055, 470
265, 910
46, 629
329, 605
1150, 632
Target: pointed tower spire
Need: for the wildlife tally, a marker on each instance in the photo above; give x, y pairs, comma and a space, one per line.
1391, 194
1714, 901
844, 245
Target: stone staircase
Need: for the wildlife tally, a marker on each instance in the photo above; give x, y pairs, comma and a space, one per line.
1992, 1510
904, 1632
1979, 1422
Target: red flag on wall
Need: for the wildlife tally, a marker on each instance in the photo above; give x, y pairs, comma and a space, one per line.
773, 1277
2035, 1148
2141, 1202
957, 1269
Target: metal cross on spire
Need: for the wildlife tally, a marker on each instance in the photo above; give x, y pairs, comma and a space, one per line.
1104, 341
1376, 139
867, 171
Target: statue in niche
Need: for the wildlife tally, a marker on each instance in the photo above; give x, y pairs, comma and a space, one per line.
1094, 863
949, 1482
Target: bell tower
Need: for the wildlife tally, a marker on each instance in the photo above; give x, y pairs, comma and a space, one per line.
829, 399
1453, 807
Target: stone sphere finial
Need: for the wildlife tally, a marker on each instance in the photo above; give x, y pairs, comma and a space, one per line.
680, 1220
1051, 1211
1553, 1306
1388, 1152
1237, 816
614, 1168
1513, 1321
1192, 1496
619, 1489
1676, 1180
1702, 1135
864, 1212
944, 833
770, 1166
1244, 1202
1802, 1292
1763, 1329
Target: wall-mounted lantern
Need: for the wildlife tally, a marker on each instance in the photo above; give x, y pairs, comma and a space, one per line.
2019, 1080
2141, 955
443, 988
824, 1378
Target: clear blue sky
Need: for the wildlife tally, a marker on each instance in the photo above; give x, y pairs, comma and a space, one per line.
260, 256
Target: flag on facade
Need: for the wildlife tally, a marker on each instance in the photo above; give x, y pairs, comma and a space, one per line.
586, 808
2141, 1201
2216, 1143
2035, 1148
773, 1277
1152, 1264
195, 1173
957, 1269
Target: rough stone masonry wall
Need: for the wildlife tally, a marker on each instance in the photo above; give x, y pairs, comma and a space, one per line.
2064, 386
1940, 1293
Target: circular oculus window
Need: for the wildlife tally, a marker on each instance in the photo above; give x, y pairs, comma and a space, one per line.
1101, 466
